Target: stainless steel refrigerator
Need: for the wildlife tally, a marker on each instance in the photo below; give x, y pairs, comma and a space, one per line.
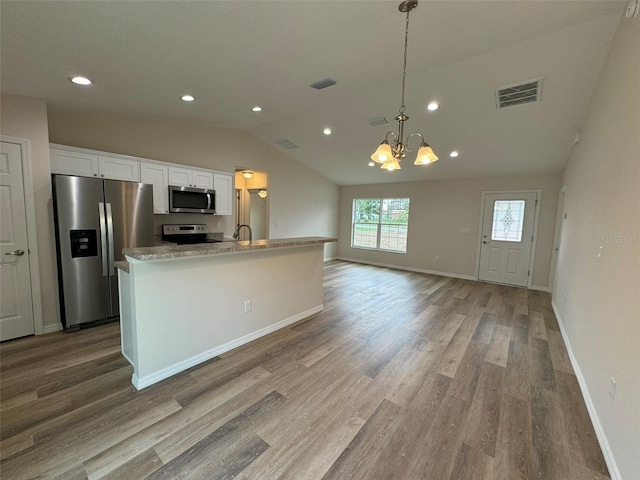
95, 219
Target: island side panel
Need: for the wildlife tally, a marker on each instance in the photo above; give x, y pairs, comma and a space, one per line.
127, 331
188, 310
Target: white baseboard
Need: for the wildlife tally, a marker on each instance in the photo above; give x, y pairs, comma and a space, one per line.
409, 269
539, 288
610, 460
56, 327
142, 382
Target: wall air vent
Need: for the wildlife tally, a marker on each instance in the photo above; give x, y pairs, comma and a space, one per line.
376, 122
320, 84
286, 144
519, 94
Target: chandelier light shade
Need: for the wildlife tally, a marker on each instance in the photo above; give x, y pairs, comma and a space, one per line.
390, 154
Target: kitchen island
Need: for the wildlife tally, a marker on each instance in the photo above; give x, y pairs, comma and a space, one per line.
184, 304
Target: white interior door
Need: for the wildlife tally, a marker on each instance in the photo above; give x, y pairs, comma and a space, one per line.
507, 237
16, 310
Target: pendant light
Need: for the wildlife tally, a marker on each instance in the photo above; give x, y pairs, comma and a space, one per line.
390, 154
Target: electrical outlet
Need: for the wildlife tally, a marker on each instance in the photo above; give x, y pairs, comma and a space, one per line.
247, 306
436, 258
612, 389
218, 224
278, 224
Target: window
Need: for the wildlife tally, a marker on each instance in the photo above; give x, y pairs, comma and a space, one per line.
508, 219
380, 224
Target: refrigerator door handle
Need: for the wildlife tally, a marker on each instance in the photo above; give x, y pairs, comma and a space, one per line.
111, 241
103, 240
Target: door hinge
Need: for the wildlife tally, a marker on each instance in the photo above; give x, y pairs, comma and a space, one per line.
528, 272
536, 202
532, 238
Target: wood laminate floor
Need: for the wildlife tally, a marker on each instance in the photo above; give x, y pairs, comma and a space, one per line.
402, 376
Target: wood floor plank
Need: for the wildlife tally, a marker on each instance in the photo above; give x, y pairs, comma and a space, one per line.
113, 458
514, 452
472, 464
578, 427
226, 451
140, 466
542, 373
445, 379
558, 351
498, 351
443, 440
517, 377
481, 430
358, 460
55, 459
537, 328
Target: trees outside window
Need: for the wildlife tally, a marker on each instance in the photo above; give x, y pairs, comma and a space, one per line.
380, 224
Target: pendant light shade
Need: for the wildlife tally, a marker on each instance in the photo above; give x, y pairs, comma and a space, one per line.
383, 153
425, 155
391, 164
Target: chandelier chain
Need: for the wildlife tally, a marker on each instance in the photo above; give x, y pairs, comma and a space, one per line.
404, 65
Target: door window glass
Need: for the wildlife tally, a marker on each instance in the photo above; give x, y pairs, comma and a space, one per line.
508, 220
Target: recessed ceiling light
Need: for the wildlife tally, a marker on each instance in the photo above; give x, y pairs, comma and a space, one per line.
433, 106
256, 109
327, 131
187, 98
371, 164
454, 154
80, 81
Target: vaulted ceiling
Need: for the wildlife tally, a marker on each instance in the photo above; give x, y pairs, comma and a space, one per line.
232, 55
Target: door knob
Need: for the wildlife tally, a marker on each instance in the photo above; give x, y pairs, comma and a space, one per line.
17, 253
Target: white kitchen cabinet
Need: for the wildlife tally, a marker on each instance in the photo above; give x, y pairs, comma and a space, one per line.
115, 168
70, 162
158, 176
74, 163
223, 185
186, 177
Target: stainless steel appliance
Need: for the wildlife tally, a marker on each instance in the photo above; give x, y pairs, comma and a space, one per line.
187, 234
95, 219
191, 200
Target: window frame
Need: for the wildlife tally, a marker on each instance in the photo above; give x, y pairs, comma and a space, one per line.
379, 224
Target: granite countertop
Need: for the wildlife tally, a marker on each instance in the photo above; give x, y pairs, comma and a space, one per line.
167, 252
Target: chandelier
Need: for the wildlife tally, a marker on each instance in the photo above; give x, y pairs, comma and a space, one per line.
390, 155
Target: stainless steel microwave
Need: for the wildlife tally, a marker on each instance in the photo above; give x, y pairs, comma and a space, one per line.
191, 200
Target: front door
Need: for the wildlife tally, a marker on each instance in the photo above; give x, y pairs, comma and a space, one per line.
16, 310
507, 237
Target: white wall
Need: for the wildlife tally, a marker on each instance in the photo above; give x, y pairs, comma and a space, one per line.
26, 117
438, 210
301, 202
599, 302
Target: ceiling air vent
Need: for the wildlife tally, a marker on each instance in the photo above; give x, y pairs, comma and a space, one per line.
376, 122
519, 94
320, 84
287, 144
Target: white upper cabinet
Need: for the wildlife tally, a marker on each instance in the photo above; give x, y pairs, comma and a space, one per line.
74, 163
70, 162
89, 163
186, 177
158, 176
115, 168
223, 185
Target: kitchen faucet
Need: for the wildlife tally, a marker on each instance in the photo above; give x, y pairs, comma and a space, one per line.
236, 234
